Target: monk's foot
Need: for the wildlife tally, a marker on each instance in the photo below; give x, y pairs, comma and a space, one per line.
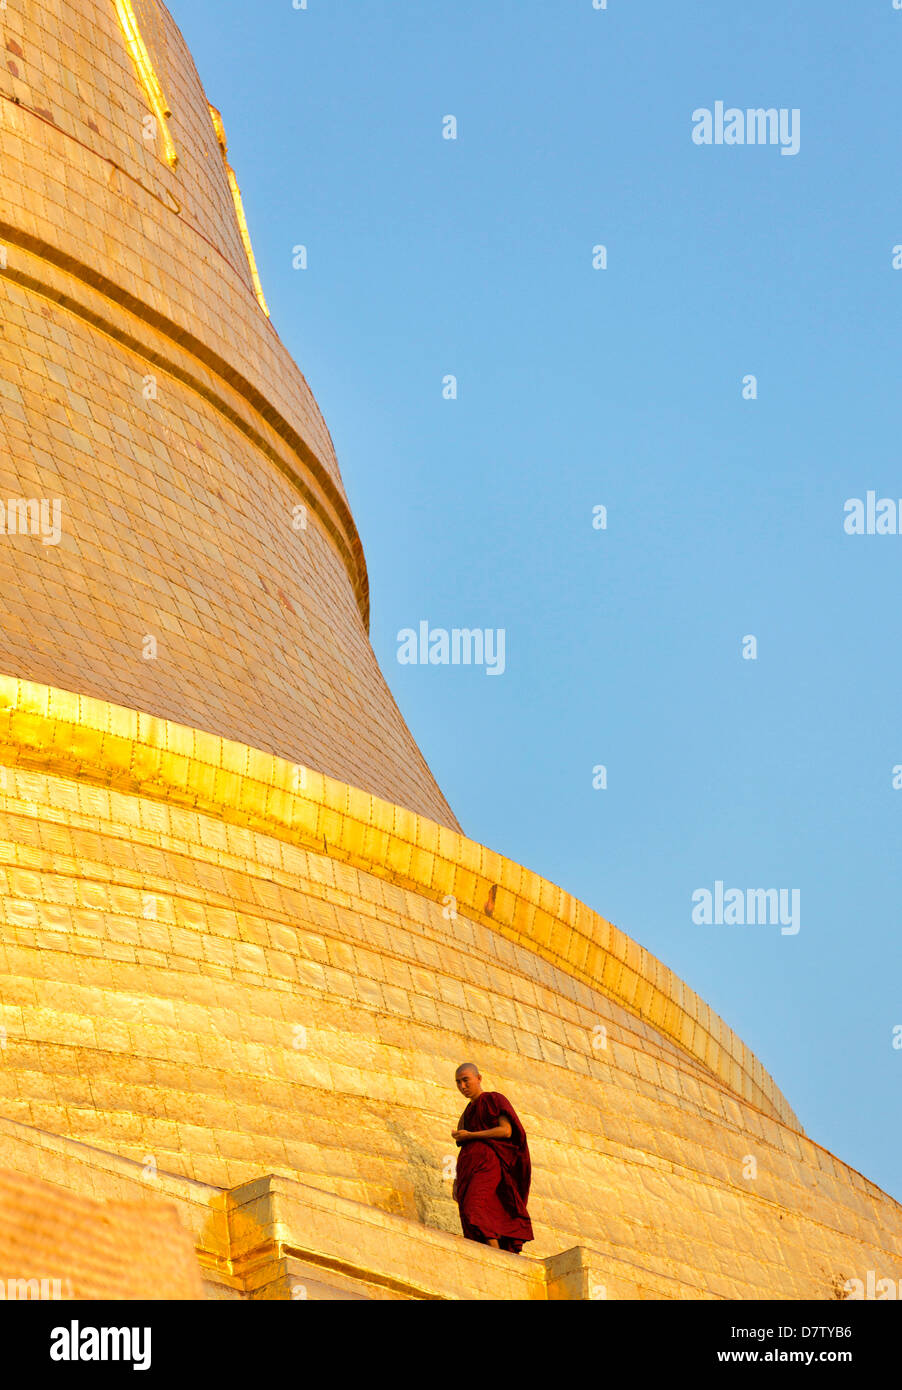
494, 1244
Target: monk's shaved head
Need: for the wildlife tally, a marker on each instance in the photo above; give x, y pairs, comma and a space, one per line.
468, 1081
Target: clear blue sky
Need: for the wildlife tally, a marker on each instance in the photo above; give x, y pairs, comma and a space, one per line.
622, 387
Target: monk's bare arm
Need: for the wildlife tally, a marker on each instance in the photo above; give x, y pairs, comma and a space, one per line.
501, 1131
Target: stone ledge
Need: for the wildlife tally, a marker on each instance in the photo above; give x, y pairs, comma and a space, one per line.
272, 1238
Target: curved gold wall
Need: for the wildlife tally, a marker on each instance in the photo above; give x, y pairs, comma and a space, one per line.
201, 965
203, 959
142, 384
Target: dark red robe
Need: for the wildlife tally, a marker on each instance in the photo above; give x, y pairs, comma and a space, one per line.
493, 1176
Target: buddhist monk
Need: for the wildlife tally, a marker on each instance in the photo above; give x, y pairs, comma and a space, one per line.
493, 1167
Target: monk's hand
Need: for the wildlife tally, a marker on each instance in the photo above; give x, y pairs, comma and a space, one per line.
460, 1135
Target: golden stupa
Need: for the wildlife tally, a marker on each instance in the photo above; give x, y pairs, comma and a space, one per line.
243, 941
